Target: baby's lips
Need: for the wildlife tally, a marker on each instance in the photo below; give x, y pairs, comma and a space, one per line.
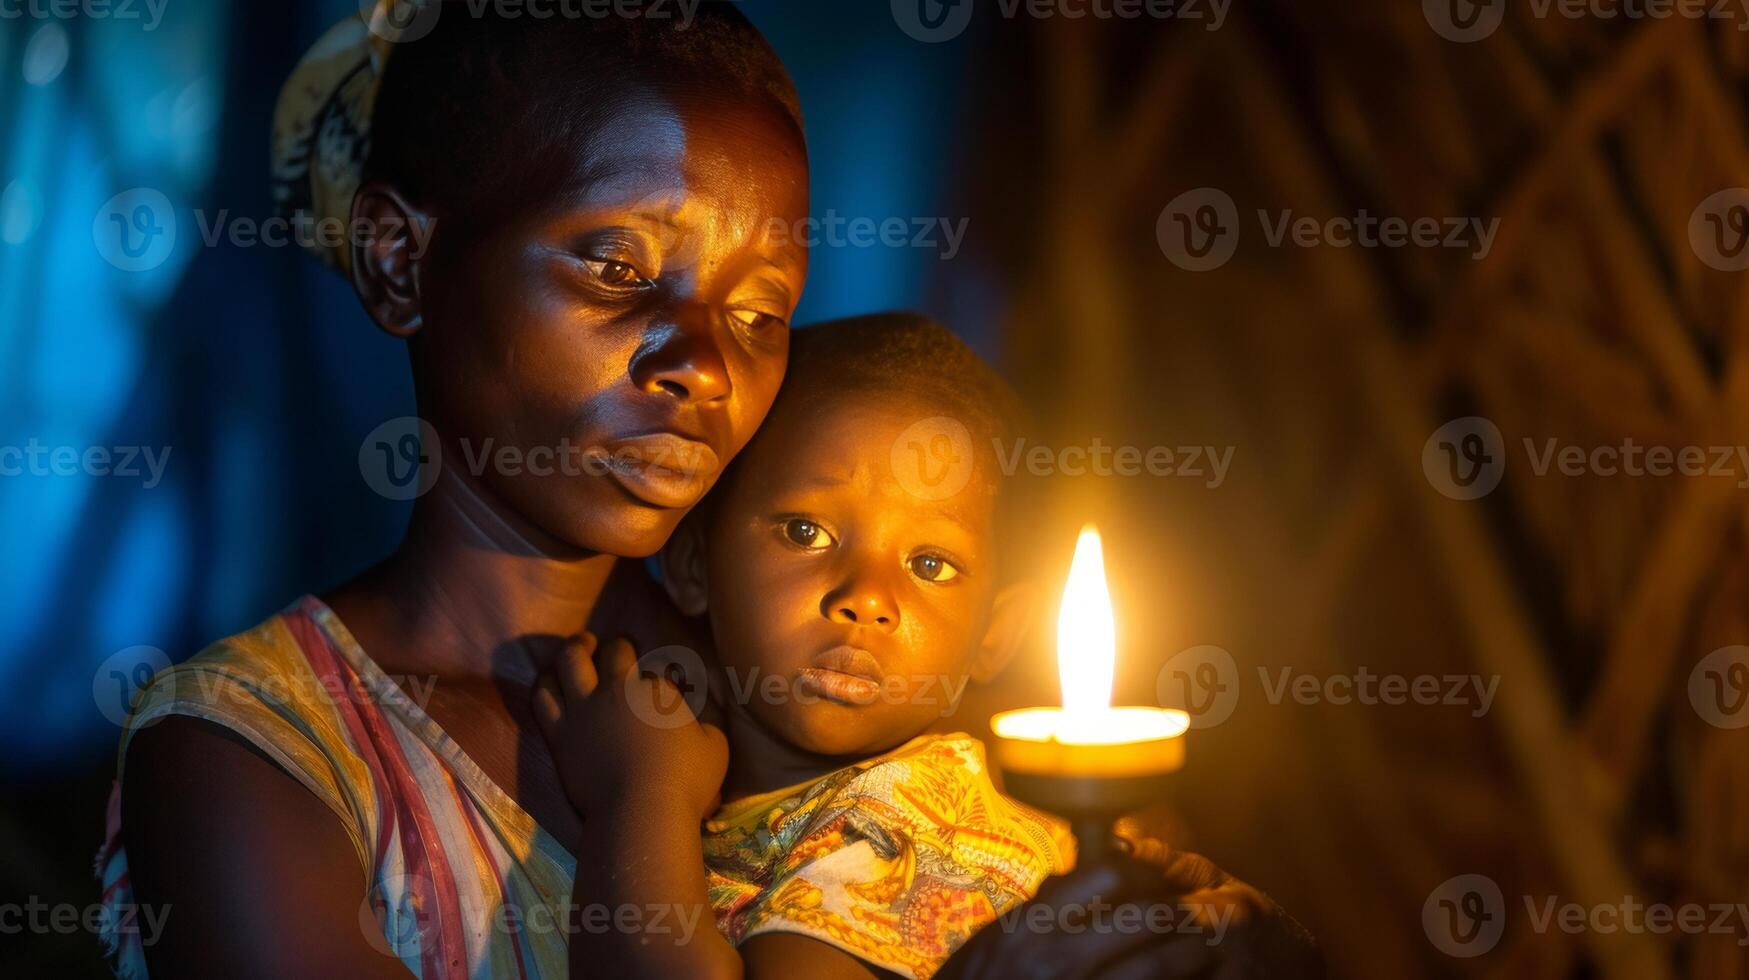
834, 685
846, 659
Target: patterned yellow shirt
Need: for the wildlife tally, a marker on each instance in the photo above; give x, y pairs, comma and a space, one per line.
897, 860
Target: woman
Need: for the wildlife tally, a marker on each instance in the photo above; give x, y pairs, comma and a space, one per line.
590, 276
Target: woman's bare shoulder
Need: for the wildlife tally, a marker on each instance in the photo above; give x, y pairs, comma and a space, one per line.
258, 876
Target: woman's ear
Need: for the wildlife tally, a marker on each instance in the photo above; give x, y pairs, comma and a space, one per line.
683, 574
388, 256
1011, 618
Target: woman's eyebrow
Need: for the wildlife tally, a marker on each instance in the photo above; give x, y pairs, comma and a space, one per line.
643, 182
784, 261
770, 282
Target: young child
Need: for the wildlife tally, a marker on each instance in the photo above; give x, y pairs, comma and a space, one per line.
850, 565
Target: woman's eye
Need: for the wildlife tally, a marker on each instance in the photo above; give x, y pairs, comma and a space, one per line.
934, 568
755, 320
618, 274
807, 534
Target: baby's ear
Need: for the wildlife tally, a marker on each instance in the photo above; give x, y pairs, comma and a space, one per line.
1011, 618
682, 563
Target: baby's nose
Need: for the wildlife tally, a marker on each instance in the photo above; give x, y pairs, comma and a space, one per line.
862, 604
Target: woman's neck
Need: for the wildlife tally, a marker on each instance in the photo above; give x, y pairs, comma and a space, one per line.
470, 593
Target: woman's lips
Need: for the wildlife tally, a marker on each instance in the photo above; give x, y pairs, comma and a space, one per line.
661, 469
844, 674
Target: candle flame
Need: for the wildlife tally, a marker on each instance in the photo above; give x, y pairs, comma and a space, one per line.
1086, 633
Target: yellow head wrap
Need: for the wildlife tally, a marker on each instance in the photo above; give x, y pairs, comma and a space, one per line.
322, 123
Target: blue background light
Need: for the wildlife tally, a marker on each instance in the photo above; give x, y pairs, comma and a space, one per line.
255, 367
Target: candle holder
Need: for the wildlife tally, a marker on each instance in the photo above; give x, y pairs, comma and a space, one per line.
1089, 771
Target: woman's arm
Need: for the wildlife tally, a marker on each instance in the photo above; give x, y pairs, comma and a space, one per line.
255, 874
641, 891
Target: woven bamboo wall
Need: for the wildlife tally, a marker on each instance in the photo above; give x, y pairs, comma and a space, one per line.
1593, 318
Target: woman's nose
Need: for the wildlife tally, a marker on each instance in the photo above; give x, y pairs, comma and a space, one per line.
862, 601
682, 358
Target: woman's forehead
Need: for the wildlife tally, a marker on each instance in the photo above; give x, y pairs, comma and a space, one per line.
655, 148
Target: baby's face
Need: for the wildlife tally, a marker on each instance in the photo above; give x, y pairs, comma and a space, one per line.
865, 602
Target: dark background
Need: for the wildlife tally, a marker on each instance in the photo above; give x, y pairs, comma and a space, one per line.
1596, 316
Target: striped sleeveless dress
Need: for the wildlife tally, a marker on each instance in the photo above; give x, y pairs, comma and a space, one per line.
896, 860
462, 881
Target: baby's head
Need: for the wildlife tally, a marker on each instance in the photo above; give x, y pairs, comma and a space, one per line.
854, 550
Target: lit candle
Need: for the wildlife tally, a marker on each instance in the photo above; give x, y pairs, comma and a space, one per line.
1088, 759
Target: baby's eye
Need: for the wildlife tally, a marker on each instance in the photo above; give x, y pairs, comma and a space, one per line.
622, 275
807, 534
934, 568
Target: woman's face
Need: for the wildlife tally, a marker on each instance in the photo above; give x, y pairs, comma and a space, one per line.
595, 359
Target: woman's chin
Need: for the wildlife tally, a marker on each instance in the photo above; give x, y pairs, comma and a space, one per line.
632, 542
620, 527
